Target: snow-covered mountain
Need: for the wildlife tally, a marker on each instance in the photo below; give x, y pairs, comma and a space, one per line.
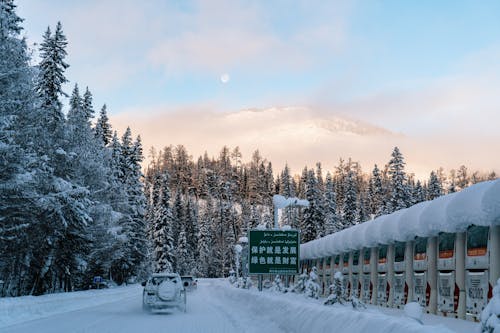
300, 118
293, 135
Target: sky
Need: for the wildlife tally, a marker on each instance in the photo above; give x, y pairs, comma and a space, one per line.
285, 77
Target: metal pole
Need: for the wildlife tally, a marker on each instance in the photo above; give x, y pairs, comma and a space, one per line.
276, 217
260, 282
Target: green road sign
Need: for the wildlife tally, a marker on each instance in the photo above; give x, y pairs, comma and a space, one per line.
273, 252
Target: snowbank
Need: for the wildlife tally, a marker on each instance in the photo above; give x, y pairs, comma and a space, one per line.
478, 204
295, 313
14, 310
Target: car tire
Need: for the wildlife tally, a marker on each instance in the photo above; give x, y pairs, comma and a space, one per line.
184, 307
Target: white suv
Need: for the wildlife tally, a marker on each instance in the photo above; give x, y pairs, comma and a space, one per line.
163, 291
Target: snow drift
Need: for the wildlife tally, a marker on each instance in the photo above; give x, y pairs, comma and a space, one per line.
294, 313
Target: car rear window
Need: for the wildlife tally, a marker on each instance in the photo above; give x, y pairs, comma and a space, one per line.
160, 279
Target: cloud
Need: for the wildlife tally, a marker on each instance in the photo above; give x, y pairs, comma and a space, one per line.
225, 34
293, 135
463, 103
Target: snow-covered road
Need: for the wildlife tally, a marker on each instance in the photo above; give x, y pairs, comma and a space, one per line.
214, 307
206, 313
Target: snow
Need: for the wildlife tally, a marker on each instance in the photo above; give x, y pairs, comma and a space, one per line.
280, 201
19, 309
414, 310
490, 317
60, 151
215, 306
478, 204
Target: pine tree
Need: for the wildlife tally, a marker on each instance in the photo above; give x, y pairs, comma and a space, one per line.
179, 218
376, 193
9, 21
18, 193
399, 190
312, 225
331, 219
289, 215
435, 188
103, 127
418, 193
132, 222
51, 77
162, 225
204, 266
350, 215
88, 109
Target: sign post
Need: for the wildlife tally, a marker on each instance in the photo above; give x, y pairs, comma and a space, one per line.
273, 252
97, 280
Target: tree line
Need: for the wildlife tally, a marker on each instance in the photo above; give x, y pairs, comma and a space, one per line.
198, 209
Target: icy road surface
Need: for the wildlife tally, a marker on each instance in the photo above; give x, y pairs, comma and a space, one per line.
214, 307
205, 313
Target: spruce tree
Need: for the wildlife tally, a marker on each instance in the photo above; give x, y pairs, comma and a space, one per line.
332, 223
313, 220
376, 193
51, 77
399, 190
163, 240
103, 127
350, 215
435, 188
205, 241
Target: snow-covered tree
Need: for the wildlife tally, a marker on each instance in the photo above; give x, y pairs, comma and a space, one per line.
312, 286
337, 293
418, 193
163, 240
332, 222
350, 209
312, 217
205, 240
103, 127
400, 197
434, 187
490, 316
51, 77
376, 193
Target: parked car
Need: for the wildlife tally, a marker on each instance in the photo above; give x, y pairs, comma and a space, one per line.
189, 282
164, 291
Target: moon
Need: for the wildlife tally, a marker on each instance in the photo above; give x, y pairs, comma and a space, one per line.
224, 78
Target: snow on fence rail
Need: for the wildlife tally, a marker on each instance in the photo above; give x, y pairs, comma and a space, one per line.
476, 205
15, 310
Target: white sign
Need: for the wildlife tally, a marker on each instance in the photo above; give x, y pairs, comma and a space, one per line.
446, 291
477, 291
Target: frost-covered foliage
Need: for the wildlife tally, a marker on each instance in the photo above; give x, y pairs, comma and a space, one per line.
312, 286
227, 197
278, 284
232, 277
61, 196
244, 282
490, 317
400, 196
300, 286
337, 294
